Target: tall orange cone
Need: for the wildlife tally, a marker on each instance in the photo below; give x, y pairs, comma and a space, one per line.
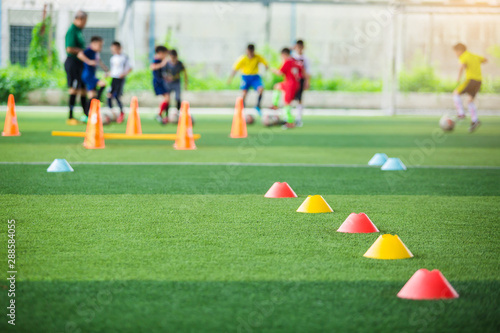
94, 136
134, 121
239, 128
11, 128
185, 139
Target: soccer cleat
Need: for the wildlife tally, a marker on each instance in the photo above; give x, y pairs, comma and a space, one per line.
288, 126
259, 111
460, 116
84, 119
299, 123
120, 118
474, 125
72, 122
159, 119
274, 107
165, 121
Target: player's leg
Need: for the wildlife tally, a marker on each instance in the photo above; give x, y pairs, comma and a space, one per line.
72, 81
101, 85
118, 96
300, 107
161, 90
245, 85
458, 100
84, 102
289, 95
244, 94
177, 89
110, 94
165, 105
259, 87
276, 95
474, 87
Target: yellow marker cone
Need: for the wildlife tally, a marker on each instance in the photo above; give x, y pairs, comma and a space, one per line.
315, 204
388, 247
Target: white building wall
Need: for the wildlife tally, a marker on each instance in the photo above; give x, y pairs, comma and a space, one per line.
341, 40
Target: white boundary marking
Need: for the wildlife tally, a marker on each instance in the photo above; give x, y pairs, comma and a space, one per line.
305, 165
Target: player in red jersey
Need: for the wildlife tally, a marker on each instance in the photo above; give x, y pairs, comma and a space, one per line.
292, 70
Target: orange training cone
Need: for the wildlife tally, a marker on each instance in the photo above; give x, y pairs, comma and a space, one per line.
134, 121
94, 136
11, 128
239, 128
185, 139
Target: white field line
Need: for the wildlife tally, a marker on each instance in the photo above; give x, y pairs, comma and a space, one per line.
305, 165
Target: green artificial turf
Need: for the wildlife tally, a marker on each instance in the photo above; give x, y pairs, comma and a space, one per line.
197, 248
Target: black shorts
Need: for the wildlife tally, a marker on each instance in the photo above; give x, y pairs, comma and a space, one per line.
298, 94
471, 88
116, 88
74, 69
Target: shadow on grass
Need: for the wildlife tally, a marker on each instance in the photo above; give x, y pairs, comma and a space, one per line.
192, 179
164, 306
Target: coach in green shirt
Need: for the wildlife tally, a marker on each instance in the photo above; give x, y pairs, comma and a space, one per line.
75, 42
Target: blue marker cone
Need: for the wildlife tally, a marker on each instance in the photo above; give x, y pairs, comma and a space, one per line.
378, 159
60, 165
393, 163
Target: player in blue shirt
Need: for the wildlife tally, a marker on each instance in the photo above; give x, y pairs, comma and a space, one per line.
159, 83
91, 58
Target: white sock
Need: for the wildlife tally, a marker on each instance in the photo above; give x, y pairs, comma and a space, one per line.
472, 111
458, 104
300, 110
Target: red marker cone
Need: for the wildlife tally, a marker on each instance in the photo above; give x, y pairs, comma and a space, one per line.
426, 284
280, 190
358, 224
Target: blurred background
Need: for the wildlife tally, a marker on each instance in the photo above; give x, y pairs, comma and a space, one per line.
371, 54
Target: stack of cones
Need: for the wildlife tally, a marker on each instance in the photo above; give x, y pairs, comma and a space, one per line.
11, 128
185, 140
239, 127
94, 136
134, 121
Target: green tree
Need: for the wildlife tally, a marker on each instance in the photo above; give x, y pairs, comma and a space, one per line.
38, 54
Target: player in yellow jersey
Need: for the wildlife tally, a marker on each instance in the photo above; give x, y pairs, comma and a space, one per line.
471, 64
248, 65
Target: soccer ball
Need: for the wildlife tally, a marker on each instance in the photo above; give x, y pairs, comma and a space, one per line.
249, 119
446, 123
270, 120
109, 116
174, 117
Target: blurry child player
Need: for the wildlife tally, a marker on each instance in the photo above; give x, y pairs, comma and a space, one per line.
300, 57
173, 70
471, 63
159, 83
248, 65
120, 68
91, 58
292, 72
